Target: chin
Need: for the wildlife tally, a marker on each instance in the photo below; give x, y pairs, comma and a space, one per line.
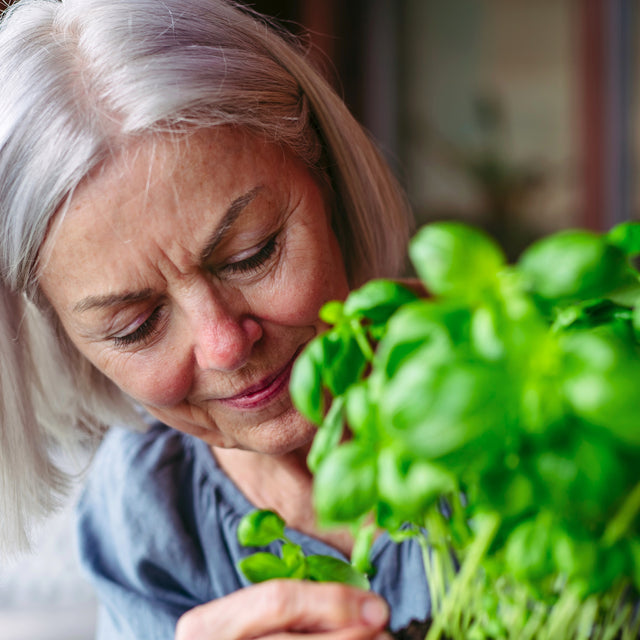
286, 435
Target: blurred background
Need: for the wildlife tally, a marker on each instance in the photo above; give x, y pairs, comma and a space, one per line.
517, 115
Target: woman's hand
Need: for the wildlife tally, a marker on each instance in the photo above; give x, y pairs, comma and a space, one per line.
287, 609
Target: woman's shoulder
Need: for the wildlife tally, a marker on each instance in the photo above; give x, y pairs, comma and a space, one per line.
134, 452
138, 528
157, 480
138, 473
133, 475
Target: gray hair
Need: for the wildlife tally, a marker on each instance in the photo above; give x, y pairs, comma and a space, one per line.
81, 78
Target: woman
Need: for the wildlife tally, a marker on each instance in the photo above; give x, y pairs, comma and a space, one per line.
180, 192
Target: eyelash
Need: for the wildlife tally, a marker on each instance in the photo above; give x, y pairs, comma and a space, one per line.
148, 328
143, 333
254, 262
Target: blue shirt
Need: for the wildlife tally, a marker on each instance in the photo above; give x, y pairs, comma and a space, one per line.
157, 530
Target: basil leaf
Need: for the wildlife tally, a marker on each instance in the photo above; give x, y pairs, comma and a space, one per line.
344, 361
361, 413
260, 528
294, 559
345, 485
306, 386
626, 236
377, 300
574, 264
362, 548
455, 260
528, 550
332, 312
410, 486
600, 381
423, 325
261, 566
437, 408
329, 569
328, 436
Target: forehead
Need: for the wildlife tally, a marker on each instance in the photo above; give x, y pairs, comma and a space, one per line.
163, 193
187, 174
205, 163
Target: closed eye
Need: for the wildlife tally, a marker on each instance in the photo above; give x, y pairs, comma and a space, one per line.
143, 333
253, 262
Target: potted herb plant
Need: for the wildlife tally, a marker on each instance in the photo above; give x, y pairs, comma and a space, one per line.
498, 421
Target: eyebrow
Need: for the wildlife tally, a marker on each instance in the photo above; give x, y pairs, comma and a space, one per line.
229, 218
114, 299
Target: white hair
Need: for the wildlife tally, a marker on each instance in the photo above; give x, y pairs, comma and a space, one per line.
81, 78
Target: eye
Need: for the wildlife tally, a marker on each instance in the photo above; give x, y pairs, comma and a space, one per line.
253, 262
143, 333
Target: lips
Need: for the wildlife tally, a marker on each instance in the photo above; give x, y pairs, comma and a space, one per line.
261, 394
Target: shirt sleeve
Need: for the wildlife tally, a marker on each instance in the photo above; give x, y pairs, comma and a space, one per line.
137, 540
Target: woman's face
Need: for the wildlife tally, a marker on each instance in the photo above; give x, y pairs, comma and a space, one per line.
192, 274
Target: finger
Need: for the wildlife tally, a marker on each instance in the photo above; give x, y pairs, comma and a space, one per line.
353, 633
284, 605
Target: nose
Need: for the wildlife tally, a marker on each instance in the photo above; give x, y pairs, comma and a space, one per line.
223, 338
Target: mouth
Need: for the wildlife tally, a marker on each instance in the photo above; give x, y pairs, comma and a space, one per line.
262, 393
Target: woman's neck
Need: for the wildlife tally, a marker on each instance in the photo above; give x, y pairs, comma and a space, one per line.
284, 485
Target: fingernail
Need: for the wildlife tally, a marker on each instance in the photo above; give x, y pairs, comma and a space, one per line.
383, 636
374, 612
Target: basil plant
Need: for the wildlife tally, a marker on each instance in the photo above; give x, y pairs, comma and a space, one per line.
497, 420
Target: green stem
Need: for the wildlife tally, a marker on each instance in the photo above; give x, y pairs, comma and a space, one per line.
435, 553
620, 615
623, 519
561, 616
468, 572
362, 340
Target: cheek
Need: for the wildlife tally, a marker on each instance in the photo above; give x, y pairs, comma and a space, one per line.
297, 300
309, 278
159, 383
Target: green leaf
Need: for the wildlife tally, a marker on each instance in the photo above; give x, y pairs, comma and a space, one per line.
344, 362
411, 485
294, 559
614, 563
622, 523
332, 312
511, 492
575, 558
634, 551
306, 387
600, 381
328, 436
455, 260
426, 325
574, 264
626, 236
261, 566
360, 554
456, 406
593, 313
487, 339
529, 549
260, 528
329, 569
345, 484
360, 410
377, 300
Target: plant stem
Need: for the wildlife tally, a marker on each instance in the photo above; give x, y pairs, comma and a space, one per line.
624, 518
468, 572
362, 340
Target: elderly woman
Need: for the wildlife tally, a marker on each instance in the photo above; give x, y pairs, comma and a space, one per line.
180, 192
